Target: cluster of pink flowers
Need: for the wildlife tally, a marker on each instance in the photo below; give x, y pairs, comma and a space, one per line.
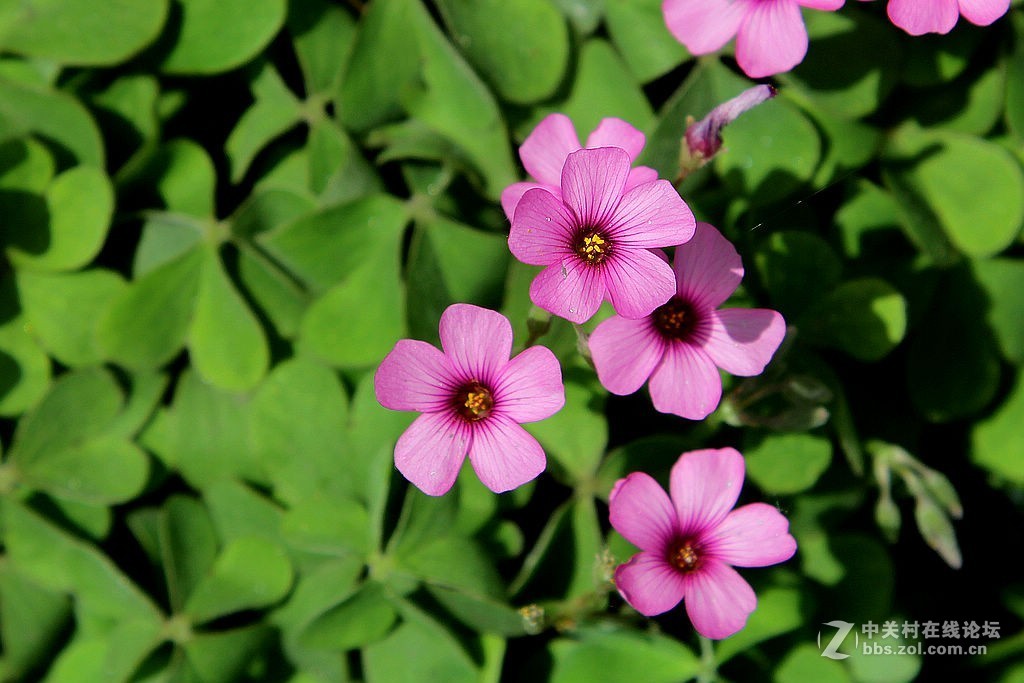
770, 34
598, 225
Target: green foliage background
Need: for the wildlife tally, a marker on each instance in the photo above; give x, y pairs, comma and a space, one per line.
217, 216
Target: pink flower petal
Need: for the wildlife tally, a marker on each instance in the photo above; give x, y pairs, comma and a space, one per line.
703, 26
742, 341
826, 5
529, 387
477, 340
431, 451
625, 353
571, 289
544, 151
983, 12
612, 132
638, 281
686, 383
705, 485
652, 215
414, 376
708, 269
592, 183
649, 584
718, 600
541, 229
638, 176
918, 17
772, 38
641, 511
755, 535
504, 455
511, 195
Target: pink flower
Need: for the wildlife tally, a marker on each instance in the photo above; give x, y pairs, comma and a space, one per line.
596, 237
770, 34
473, 399
918, 17
683, 343
689, 542
545, 150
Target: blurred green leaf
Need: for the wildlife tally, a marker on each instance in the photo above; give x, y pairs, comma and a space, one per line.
603, 87
81, 32
249, 572
961, 375
521, 48
576, 436
225, 655
63, 310
973, 188
363, 618
621, 656
778, 612
866, 318
996, 441
146, 325
217, 35
323, 33
31, 621
1015, 79
806, 663
1002, 281
64, 230
769, 152
451, 100
787, 463
302, 457
788, 260
638, 30
226, 343
273, 113
56, 561
323, 248
419, 649
356, 322
24, 368
835, 75
56, 117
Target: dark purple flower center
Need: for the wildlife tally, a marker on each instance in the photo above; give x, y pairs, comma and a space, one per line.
675, 319
592, 246
473, 401
684, 555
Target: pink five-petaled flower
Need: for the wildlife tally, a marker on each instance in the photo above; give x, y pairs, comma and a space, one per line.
770, 34
473, 399
683, 343
545, 150
918, 17
596, 239
690, 543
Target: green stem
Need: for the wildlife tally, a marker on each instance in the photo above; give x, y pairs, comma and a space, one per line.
708, 665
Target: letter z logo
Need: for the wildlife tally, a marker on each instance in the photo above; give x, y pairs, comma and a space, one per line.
831, 650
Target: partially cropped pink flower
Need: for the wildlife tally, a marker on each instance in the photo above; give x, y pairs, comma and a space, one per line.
473, 399
918, 17
545, 150
683, 343
770, 34
596, 237
690, 543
